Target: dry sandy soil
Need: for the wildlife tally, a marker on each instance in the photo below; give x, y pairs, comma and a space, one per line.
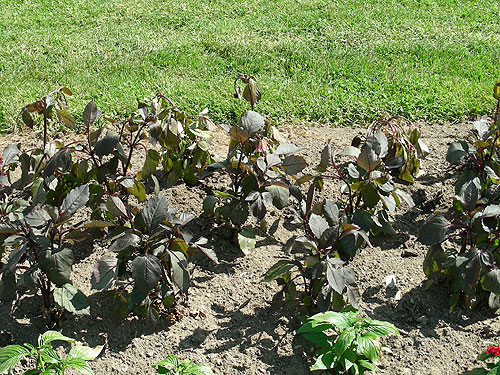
229, 323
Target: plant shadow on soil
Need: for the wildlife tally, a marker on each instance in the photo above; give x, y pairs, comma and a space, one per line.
422, 309
255, 332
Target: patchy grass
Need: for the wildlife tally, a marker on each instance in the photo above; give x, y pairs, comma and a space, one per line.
332, 61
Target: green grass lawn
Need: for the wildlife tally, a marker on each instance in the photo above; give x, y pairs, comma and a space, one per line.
342, 62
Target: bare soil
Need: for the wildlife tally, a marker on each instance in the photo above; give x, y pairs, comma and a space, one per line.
228, 321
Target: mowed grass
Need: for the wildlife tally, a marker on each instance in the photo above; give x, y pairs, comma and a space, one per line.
342, 62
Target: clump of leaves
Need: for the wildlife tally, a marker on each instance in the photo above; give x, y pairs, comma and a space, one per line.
48, 360
329, 242
185, 140
151, 257
405, 148
492, 368
40, 258
354, 346
464, 244
464, 241
257, 166
371, 191
55, 101
171, 365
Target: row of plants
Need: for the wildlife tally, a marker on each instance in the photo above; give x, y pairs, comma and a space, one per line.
89, 189
464, 241
94, 179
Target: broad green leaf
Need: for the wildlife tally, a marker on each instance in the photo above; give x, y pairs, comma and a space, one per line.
50, 336
170, 362
336, 319
367, 365
150, 163
105, 273
317, 338
72, 299
246, 240
380, 328
344, 340
324, 362
138, 190
368, 347
278, 270
80, 365
85, 352
10, 356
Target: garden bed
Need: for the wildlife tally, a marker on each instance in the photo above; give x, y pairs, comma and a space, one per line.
228, 322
